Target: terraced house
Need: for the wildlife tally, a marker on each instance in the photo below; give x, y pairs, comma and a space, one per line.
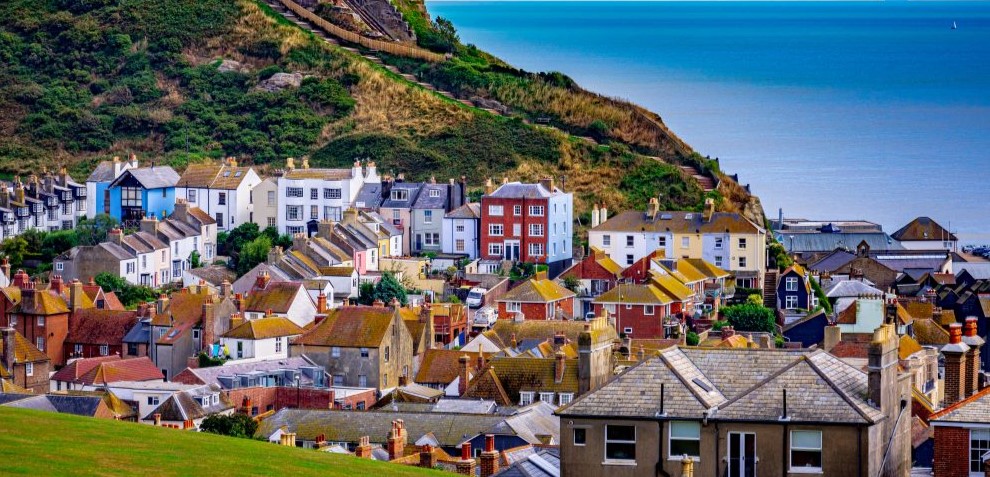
223, 191
305, 196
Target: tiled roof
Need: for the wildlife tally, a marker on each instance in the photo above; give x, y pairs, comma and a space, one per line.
24, 351
336, 271
134, 369
504, 377
276, 296
187, 405
466, 211
835, 260
321, 174
709, 270
927, 332
442, 366
518, 190
502, 332
350, 327
214, 274
923, 228
426, 199
264, 328
544, 462
848, 315
537, 291
201, 216
973, 409
907, 347
44, 303
79, 367
213, 176
87, 403
96, 326
182, 307
639, 294
102, 173
678, 222
671, 286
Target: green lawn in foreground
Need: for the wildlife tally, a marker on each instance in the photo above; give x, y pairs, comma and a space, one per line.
39, 443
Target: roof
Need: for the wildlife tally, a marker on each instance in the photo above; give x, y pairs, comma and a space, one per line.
321, 174
214, 274
679, 222
545, 462
518, 190
87, 403
188, 405
113, 370
212, 374
350, 327
735, 384
923, 229
843, 241
973, 409
503, 378
442, 366
154, 177
102, 173
851, 289
433, 196
264, 328
24, 350
45, 302
369, 196
277, 296
630, 293
537, 290
503, 331
96, 326
213, 176
907, 347
466, 211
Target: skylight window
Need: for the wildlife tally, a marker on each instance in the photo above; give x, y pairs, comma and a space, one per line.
701, 384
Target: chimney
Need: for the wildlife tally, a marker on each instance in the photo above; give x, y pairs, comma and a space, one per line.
396, 443
209, 324
18, 190
603, 214
275, 255
158, 419
833, 335
687, 467
226, 289
489, 186
558, 366
116, 236
236, 319
134, 161
321, 303
547, 183
464, 196
955, 365
8, 348
56, 285
371, 172
181, 211
652, 208
727, 332
513, 343
261, 281
20, 279
975, 342
427, 458
290, 163
465, 376
356, 170
481, 360
489, 458
709, 209
150, 225
5, 267
324, 229
162, 304
305, 162
363, 449
466, 466
595, 216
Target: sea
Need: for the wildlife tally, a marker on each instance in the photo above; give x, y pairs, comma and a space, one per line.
828, 110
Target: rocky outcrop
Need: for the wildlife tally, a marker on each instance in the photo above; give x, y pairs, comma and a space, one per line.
227, 66
280, 81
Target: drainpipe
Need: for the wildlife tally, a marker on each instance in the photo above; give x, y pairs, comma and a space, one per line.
660, 416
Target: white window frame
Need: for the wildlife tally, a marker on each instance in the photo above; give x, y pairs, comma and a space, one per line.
495, 230
618, 441
191, 195
536, 210
564, 399
513, 307
718, 243
29, 369
685, 242
59, 266
606, 240
630, 241
649, 310
427, 216
742, 262
496, 210
742, 243
791, 302
536, 230
495, 249
683, 425
293, 213
792, 448
630, 259
294, 192
547, 397
104, 350
791, 284
516, 210
434, 192
535, 249
526, 398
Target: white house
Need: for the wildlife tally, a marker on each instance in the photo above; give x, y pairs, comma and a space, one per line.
263, 338
187, 230
264, 197
305, 196
147, 394
223, 191
923, 233
275, 298
460, 230
344, 281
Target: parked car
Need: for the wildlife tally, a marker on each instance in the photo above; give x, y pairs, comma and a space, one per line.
485, 317
476, 297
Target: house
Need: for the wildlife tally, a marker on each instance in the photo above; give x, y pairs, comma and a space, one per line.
689, 281
145, 396
639, 311
187, 409
97, 404
365, 238
142, 191
728, 240
528, 223
923, 233
185, 324
794, 290
88, 374
362, 346
95, 332
214, 276
140, 258
306, 196
428, 211
223, 191
264, 197
42, 314
793, 411
461, 231
297, 370
63, 199
21, 364
396, 207
596, 273
261, 338
369, 197
442, 369
275, 298
97, 197
538, 298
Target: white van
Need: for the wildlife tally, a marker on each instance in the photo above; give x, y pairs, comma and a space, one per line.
475, 297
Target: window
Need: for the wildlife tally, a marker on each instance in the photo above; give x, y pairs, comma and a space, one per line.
78, 348
364, 352
459, 228
536, 249
104, 350
536, 230
630, 240
661, 241
718, 261
517, 210
384, 380
629, 259
742, 243
294, 192
29, 369
278, 344
220, 219
39, 343
271, 198
222, 198
41, 321
685, 242
580, 434
431, 239
216, 399
331, 193
152, 400
685, 439
272, 222
742, 262
130, 197
546, 397
513, 306
459, 245
792, 284
620, 442
400, 194
130, 265
495, 210
363, 381
516, 230
525, 398
718, 243
427, 216
806, 451
648, 309
314, 212
314, 194
338, 380
331, 213
293, 212
627, 330
434, 192
195, 334
335, 351
607, 240
495, 229
386, 353
566, 398
495, 249
292, 230
536, 210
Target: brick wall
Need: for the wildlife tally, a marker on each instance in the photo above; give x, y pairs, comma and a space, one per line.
89, 350
508, 219
644, 326
955, 376
951, 452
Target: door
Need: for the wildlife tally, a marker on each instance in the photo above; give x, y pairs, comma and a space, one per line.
512, 250
742, 454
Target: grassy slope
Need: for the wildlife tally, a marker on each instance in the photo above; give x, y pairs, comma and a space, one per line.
60, 444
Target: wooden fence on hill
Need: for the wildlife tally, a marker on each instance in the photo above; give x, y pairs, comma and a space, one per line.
388, 47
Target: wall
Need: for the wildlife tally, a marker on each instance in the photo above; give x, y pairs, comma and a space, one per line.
951, 451
450, 236
644, 326
420, 227
262, 210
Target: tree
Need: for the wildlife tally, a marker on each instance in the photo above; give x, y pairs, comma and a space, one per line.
755, 299
572, 283
366, 293
194, 260
253, 253
14, 249
693, 339
234, 425
54, 243
93, 231
446, 38
750, 317
388, 288
129, 295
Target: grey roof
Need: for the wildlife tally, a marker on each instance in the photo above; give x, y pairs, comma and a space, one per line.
542, 463
78, 405
850, 288
535, 422
369, 196
833, 261
518, 190
154, 177
801, 243
919, 262
139, 333
214, 274
187, 405
735, 384
974, 410
120, 253
102, 173
38, 402
426, 199
466, 211
211, 375
412, 187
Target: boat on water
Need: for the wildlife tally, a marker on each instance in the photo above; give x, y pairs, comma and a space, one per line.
954, 25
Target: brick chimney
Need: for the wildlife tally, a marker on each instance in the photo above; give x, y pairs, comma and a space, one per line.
558, 366
727, 332
481, 360
489, 186
209, 324
547, 183
833, 335
226, 289
426, 457
150, 225
20, 279
162, 304
8, 348
396, 443
489, 458
955, 365
5, 267
115, 236
465, 376
466, 466
975, 342
321, 303
363, 449
56, 285
709, 209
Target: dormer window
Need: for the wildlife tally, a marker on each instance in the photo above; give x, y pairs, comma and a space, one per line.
525, 398
434, 192
400, 194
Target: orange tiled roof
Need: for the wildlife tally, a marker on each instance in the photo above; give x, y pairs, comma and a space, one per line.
907, 347
111, 371
350, 327
24, 351
264, 328
505, 377
77, 368
96, 326
442, 366
537, 291
276, 296
45, 302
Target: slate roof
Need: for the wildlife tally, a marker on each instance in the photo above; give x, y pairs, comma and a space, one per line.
118, 252
88, 403
187, 405
96, 326
830, 242
154, 177
369, 196
744, 384
923, 228
678, 222
233, 368
466, 211
350, 327
851, 289
543, 463
214, 274
213, 176
412, 187
537, 291
973, 409
276, 296
102, 173
518, 190
426, 200
24, 350
264, 328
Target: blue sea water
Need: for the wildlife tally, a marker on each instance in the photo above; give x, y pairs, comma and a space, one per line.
841, 110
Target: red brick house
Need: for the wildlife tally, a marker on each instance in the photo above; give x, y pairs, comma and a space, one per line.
961, 431
92, 373
449, 322
638, 311
21, 364
597, 273
538, 298
96, 332
42, 315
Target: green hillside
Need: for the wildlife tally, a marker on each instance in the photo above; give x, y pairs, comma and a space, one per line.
181, 81
41, 443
